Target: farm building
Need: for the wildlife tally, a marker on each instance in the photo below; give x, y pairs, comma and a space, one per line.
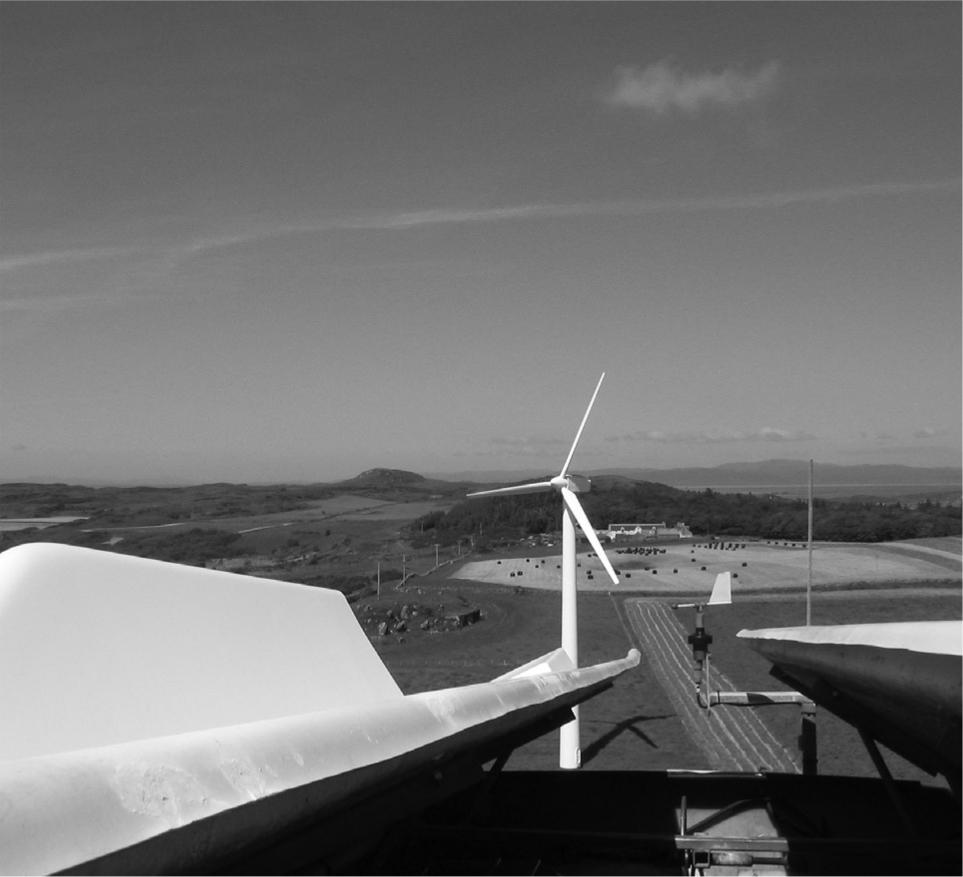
657, 530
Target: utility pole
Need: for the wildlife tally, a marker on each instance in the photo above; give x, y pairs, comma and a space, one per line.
436, 555
809, 583
379, 579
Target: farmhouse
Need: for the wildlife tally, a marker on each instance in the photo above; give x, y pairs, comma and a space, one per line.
647, 531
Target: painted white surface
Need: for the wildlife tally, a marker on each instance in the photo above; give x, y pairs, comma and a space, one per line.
62, 810
99, 648
555, 661
931, 637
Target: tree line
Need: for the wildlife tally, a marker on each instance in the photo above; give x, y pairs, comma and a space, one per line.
705, 512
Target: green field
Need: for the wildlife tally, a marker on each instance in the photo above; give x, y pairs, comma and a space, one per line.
337, 538
633, 725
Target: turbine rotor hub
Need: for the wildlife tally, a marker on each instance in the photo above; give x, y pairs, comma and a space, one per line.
575, 483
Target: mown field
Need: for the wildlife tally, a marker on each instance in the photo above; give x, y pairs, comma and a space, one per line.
633, 725
688, 568
338, 539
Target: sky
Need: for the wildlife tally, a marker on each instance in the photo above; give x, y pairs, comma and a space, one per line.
291, 242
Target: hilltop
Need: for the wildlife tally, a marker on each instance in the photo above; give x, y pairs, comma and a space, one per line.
383, 477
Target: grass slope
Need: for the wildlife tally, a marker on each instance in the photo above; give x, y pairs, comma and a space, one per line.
633, 725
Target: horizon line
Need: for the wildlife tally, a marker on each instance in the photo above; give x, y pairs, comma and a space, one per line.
507, 474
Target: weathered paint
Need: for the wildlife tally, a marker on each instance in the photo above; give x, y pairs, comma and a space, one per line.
900, 681
171, 716
60, 811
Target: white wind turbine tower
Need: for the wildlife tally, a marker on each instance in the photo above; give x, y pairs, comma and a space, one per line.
570, 754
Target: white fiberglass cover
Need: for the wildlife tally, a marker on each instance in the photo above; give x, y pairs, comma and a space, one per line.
99, 648
930, 637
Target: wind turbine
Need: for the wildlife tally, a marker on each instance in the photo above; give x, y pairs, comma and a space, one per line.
568, 486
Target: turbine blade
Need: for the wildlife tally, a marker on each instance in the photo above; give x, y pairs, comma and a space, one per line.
575, 507
578, 435
534, 487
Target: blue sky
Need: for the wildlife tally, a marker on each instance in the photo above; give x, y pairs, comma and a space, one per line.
260, 242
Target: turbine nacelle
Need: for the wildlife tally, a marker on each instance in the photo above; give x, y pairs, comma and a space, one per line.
567, 486
575, 483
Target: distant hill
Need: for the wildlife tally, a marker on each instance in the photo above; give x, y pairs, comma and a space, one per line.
789, 473
785, 477
383, 478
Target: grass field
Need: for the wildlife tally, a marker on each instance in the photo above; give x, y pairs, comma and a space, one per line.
342, 535
686, 568
633, 725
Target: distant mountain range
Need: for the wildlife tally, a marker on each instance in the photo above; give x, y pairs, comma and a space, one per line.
771, 473
778, 476
768, 474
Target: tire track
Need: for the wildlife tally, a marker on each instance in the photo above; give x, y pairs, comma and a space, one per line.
675, 673
730, 743
733, 738
657, 651
738, 725
776, 756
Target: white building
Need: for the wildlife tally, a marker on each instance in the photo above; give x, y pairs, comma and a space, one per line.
656, 530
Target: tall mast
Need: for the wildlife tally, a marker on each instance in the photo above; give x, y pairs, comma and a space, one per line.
809, 583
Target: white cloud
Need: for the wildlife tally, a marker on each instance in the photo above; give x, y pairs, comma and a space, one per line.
765, 434
770, 434
661, 87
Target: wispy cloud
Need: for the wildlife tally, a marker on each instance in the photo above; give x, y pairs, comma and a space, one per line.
641, 206
45, 258
172, 255
662, 87
765, 434
388, 221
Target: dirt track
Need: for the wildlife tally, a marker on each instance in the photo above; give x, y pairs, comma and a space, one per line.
731, 739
